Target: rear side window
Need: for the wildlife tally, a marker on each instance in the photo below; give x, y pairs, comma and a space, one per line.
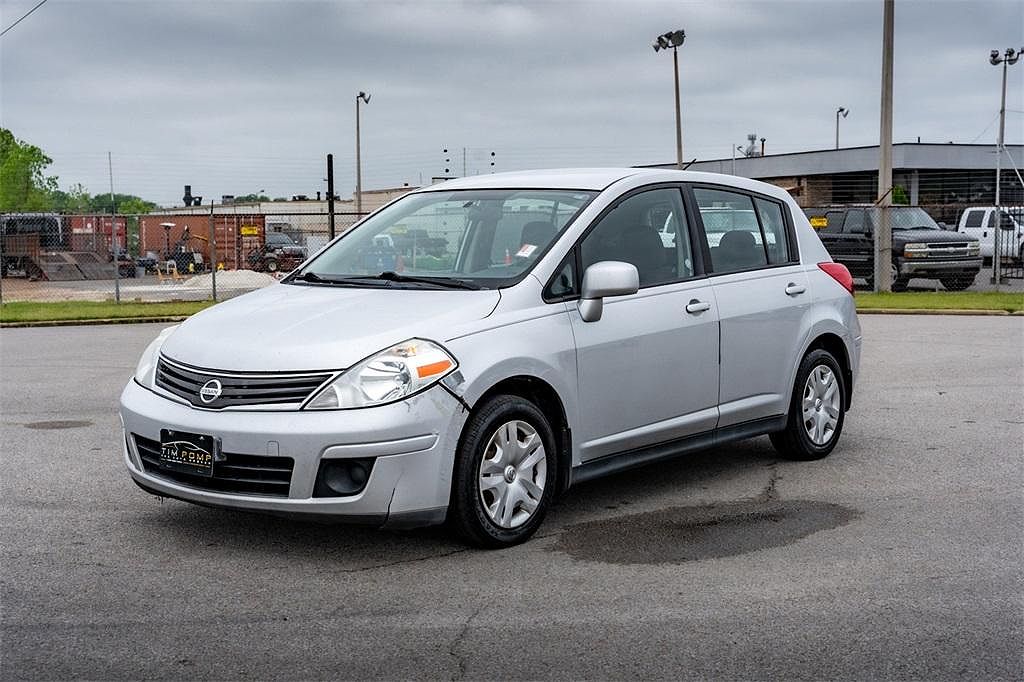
732, 230
974, 218
774, 227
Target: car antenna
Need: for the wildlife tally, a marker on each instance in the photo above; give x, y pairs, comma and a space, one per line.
692, 161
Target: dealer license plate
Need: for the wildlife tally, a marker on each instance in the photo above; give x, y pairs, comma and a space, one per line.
188, 453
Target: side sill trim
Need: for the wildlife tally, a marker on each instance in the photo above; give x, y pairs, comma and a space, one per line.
631, 459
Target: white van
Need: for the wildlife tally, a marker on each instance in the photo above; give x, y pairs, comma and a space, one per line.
980, 222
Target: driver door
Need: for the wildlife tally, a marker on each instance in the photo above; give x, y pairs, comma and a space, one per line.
648, 369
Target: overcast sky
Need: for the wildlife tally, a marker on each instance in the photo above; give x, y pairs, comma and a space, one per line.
237, 97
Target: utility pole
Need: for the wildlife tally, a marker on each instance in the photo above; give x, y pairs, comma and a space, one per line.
463, 162
883, 235
330, 196
213, 254
1010, 57
113, 233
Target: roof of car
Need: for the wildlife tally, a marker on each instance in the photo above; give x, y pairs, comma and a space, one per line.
593, 179
554, 178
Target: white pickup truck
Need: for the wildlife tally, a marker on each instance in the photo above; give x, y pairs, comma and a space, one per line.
980, 222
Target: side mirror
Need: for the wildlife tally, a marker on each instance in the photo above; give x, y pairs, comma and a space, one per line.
607, 278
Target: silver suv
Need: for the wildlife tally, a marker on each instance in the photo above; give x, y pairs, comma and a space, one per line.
471, 350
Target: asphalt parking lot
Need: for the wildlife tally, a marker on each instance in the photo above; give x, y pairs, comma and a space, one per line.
900, 556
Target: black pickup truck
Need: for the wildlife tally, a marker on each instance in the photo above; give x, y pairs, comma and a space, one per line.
920, 248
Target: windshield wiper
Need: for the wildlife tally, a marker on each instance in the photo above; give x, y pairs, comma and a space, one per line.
392, 276
314, 278
379, 280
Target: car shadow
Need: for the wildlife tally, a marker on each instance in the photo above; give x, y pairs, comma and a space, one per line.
186, 530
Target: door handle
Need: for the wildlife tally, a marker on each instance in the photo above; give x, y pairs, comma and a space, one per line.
793, 289
695, 306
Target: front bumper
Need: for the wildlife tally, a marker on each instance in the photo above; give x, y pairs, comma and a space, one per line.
936, 268
413, 441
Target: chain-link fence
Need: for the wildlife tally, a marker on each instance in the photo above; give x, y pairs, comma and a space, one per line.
154, 257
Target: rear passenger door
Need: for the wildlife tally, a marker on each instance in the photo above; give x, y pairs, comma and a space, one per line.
762, 295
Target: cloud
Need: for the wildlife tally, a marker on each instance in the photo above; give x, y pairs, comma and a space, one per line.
234, 97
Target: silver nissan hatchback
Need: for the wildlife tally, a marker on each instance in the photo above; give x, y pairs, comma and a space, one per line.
474, 348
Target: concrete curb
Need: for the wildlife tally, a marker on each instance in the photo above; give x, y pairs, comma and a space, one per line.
930, 311
107, 320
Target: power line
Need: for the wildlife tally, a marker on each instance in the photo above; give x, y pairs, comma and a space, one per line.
24, 16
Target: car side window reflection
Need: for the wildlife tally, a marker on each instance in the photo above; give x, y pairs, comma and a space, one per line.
732, 230
648, 230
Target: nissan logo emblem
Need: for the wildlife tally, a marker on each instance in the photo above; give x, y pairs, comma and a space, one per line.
210, 391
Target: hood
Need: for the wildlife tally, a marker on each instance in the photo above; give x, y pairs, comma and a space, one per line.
924, 234
292, 327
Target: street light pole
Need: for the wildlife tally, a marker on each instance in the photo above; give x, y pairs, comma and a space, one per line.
845, 112
1008, 58
679, 115
674, 39
359, 167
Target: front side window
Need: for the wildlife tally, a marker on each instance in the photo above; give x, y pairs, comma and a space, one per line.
974, 218
732, 230
478, 238
648, 230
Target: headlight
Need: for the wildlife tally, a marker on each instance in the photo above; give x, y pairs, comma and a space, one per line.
146, 368
915, 250
388, 376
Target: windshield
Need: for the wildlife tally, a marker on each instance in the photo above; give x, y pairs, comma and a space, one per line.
908, 218
487, 237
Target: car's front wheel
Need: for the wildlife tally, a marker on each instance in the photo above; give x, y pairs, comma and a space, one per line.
816, 411
505, 472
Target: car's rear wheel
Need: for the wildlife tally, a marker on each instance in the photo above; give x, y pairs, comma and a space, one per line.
957, 282
505, 472
816, 411
271, 265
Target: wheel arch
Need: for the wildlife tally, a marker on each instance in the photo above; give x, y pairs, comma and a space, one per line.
545, 397
835, 345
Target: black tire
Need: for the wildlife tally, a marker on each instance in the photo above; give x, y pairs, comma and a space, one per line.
793, 442
957, 282
466, 513
270, 264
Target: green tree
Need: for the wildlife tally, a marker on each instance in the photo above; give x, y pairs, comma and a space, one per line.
251, 198
23, 184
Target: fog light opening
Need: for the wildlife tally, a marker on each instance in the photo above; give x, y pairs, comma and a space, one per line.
342, 477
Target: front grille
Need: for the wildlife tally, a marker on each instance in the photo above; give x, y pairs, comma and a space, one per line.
948, 245
237, 388
242, 474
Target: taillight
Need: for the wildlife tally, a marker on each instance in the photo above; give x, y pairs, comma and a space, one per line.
839, 273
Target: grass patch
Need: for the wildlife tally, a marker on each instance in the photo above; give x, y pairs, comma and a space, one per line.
26, 311
942, 300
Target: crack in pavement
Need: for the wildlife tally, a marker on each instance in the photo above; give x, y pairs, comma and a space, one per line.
399, 562
460, 659
770, 493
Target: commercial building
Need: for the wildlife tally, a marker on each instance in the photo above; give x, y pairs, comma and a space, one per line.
934, 175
